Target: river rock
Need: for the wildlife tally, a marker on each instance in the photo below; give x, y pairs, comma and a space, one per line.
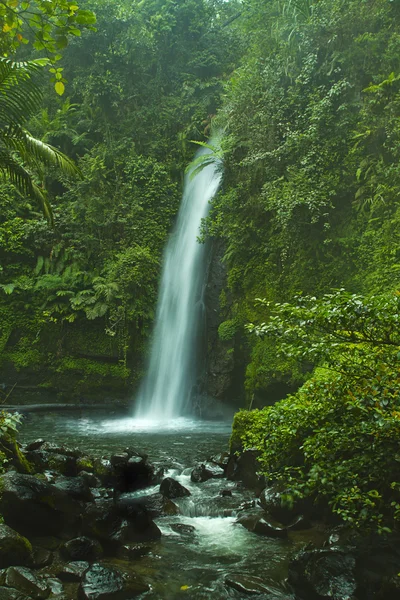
34, 445
205, 472
155, 505
327, 573
76, 487
41, 557
134, 551
102, 583
7, 593
183, 528
32, 506
221, 460
56, 588
14, 548
74, 571
247, 584
245, 468
170, 488
27, 582
82, 549
254, 520
104, 521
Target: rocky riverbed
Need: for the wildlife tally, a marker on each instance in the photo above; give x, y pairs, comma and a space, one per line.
121, 526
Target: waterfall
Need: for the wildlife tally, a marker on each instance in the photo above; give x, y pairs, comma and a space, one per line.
166, 389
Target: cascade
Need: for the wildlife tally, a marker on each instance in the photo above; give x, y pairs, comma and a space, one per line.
166, 389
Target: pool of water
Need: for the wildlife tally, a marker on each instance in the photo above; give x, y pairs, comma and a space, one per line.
192, 563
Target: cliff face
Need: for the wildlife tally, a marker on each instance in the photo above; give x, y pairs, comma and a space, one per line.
222, 378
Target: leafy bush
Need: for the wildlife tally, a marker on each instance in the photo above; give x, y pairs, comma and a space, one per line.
337, 439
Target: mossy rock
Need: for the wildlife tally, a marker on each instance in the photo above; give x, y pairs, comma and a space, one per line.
15, 549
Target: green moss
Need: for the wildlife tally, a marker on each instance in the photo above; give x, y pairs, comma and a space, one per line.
84, 463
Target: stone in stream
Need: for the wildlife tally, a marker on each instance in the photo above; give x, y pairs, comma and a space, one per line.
74, 571
155, 505
183, 528
7, 593
34, 507
41, 557
170, 488
254, 520
28, 582
82, 549
207, 471
248, 584
14, 548
76, 487
327, 573
102, 583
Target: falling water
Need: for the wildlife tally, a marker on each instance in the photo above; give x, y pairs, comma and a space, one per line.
165, 392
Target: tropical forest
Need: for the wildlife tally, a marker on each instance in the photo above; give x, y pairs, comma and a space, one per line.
200, 299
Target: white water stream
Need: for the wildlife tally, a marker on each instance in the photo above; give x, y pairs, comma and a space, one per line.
166, 390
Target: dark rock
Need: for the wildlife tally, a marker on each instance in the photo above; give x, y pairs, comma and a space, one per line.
12, 594
41, 557
264, 527
245, 468
90, 479
74, 571
221, 459
254, 520
134, 551
158, 475
104, 521
14, 548
76, 487
34, 445
173, 489
82, 549
85, 463
226, 493
101, 583
56, 588
32, 506
247, 584
299, 524
119, 460
182, 528
104, 471
323, 573
155, 505
42, 461
27, 582
49, 542
205, 472
61, 450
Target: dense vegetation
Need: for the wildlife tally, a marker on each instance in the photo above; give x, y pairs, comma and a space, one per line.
307, 94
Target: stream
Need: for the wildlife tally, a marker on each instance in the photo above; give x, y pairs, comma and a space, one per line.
192, 561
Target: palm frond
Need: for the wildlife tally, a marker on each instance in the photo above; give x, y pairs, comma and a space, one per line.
20, 96
22, 180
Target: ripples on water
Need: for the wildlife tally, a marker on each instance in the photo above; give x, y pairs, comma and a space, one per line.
217, 546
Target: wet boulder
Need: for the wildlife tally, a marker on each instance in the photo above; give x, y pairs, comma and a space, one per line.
32, 506
7, 593
255, 520
183, 528
82, 549
51, 461
74, 571
102, 583
251, 585
41, 557
105, 521
245, 468
170, 488
327, 573
221, 460
206, 471
274, 502
28, 582
76, 487
155, 505
14, 548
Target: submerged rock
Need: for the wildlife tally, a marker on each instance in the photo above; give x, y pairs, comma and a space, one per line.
183, 528
14, 548
254, 520
170, 488
327, 573
205, 472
